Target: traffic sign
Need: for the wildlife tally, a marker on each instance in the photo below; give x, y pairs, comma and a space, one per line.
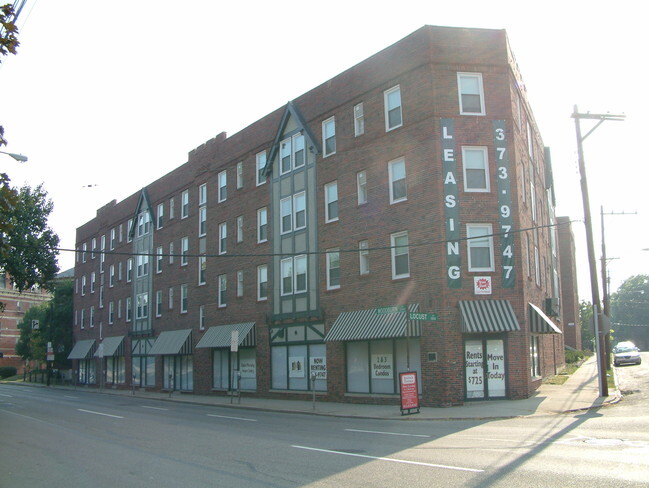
386, 310
427, 317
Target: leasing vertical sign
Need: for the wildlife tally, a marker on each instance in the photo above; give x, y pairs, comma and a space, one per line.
451, 209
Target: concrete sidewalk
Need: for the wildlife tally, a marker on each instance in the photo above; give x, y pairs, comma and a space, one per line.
579, 392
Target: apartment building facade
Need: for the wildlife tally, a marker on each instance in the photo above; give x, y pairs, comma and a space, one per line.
291, 255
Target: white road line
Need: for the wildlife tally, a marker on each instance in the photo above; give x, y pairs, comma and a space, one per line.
385, 433
8, 396
154, 408
70, 396
231, 418
402, 461
100, 413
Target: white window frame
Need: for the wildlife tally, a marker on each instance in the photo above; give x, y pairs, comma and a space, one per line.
141, 306
129, 270
111, 276
93, 248
391, 171
262, 223
240, 228
223, 238
260, 166
129, 309
93, 279
201, 317
158, 303
160, 216
83, 286
111, 313
330, 254
363, 257
222, 281
202, 270
466, 150
223, 186
328, 202
184, 204
395, 252
286, 215
297, 208
171, 298
388, 107
240, 175
262, 278
361, 187
359, 120
286, 276
482, 240
184, 298
158, 260
142, 265
295, 150
239, 283
202, 221
172, 207
285, 156
113, 237
202, 194
328, 133
300, 263
475, 76
184, 251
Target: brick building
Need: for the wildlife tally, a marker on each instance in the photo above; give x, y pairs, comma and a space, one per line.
569, 292
416, 180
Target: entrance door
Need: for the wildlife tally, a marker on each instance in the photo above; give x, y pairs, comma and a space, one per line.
484, 362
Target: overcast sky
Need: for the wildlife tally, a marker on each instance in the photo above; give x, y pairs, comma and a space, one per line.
116, 93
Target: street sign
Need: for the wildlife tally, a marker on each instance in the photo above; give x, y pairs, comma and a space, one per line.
428, 317
35, 324
386, 310
234, 341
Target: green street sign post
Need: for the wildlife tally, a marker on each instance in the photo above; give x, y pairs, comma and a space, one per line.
427, 317
387, 310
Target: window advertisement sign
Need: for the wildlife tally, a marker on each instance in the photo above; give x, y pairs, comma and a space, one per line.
296, 364
482, 285
382, 366
247, 367
318, 366
474, 367
496, 368
409, 392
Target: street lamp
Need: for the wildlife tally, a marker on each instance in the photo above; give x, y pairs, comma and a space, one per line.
18, 157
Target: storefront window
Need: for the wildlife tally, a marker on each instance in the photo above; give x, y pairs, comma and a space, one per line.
178, 372
484, 362
224, 363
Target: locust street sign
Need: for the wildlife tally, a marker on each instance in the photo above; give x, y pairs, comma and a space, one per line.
427, 317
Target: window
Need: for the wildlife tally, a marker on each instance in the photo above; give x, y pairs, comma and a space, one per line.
299, 211
83, 326
184, 205
142, 265
83, 285
363, 257
201, 317
300, 273
158, 260
239, 175
111, 276
119, 271
111, 313
129, 234
129, 308
223, 289
287, 276
92, 282
223, 238
262, 282
129, 270
286, 214
223, 186
158, 303
359, 120
333, 269
476, 174
392, 99
331, 201
112, 238
471, 93
93, 247
183, 298
398, 188
400, 255
361, 187
161, 212
121, 232
262, 224
171, 253
102, 255
291, 153
202, 194
202, 269
285, 150
92, 316
329, 136
202, 221
240, 228
535, 363
480, 247
142, 306
299, 156
119, 309
143, 226
239, 283
184, 250
83, 254
101, 296
171, 298
293, 275
261, 166
172, 207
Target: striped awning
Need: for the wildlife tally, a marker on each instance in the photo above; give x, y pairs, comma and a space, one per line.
362, 325
82, 350
110, 346
173, 342
541, 323
221, 335
479, 316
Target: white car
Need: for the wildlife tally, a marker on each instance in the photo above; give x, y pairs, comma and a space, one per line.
626, 353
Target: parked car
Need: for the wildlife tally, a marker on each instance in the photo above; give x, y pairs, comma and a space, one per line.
626, 353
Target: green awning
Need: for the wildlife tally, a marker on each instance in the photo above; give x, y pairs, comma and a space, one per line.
172, 343
362, 325
110, 346
221, 335
82, 350
480, 316
541, 323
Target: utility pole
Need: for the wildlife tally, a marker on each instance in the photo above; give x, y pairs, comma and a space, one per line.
597, 310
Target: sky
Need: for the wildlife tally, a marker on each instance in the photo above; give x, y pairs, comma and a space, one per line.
104, 97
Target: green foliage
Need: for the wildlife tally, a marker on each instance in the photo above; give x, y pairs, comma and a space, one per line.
586, 319
30, 247
630, 304
7, 371
9, 38
576, 356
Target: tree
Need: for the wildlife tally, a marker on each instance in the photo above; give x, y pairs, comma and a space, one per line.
54, 325
630, 304
8, 42
30, 247
586, 319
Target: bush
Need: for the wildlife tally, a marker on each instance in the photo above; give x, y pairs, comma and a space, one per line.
7, 371
576, 356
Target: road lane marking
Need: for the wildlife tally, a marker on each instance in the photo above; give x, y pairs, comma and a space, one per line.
392, 460
154, 408
385, 433
100, 413
8, 396
231, 418
70, 396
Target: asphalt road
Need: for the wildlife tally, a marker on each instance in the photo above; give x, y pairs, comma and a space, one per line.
63, 438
